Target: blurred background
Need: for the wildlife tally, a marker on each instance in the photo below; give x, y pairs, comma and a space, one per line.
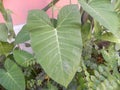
20, 8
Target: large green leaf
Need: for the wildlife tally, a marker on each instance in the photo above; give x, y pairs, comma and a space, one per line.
58, 50
102, 11
23, 58
12, 77
3, 32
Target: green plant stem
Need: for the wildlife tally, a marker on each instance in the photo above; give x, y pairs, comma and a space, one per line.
7, 17
53, 2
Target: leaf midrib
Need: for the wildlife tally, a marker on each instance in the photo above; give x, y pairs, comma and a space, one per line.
59, 51
8, 74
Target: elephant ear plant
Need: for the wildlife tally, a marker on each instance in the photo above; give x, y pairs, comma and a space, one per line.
57, 48
77, 51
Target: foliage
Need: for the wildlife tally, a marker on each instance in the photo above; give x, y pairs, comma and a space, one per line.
56, 50
76, 51
12, 77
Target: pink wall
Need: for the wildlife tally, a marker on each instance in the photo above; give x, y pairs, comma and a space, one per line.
20, 8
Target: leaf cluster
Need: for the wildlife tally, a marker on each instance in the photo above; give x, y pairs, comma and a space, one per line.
80, 50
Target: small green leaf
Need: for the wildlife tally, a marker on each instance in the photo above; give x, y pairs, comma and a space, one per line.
3, 32
22, 36
97, 29
5, 48
22, 57
12, 77
105, 55
96, 73
110, 37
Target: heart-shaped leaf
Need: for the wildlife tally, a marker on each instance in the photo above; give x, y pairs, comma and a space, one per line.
57, 49
12, 77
